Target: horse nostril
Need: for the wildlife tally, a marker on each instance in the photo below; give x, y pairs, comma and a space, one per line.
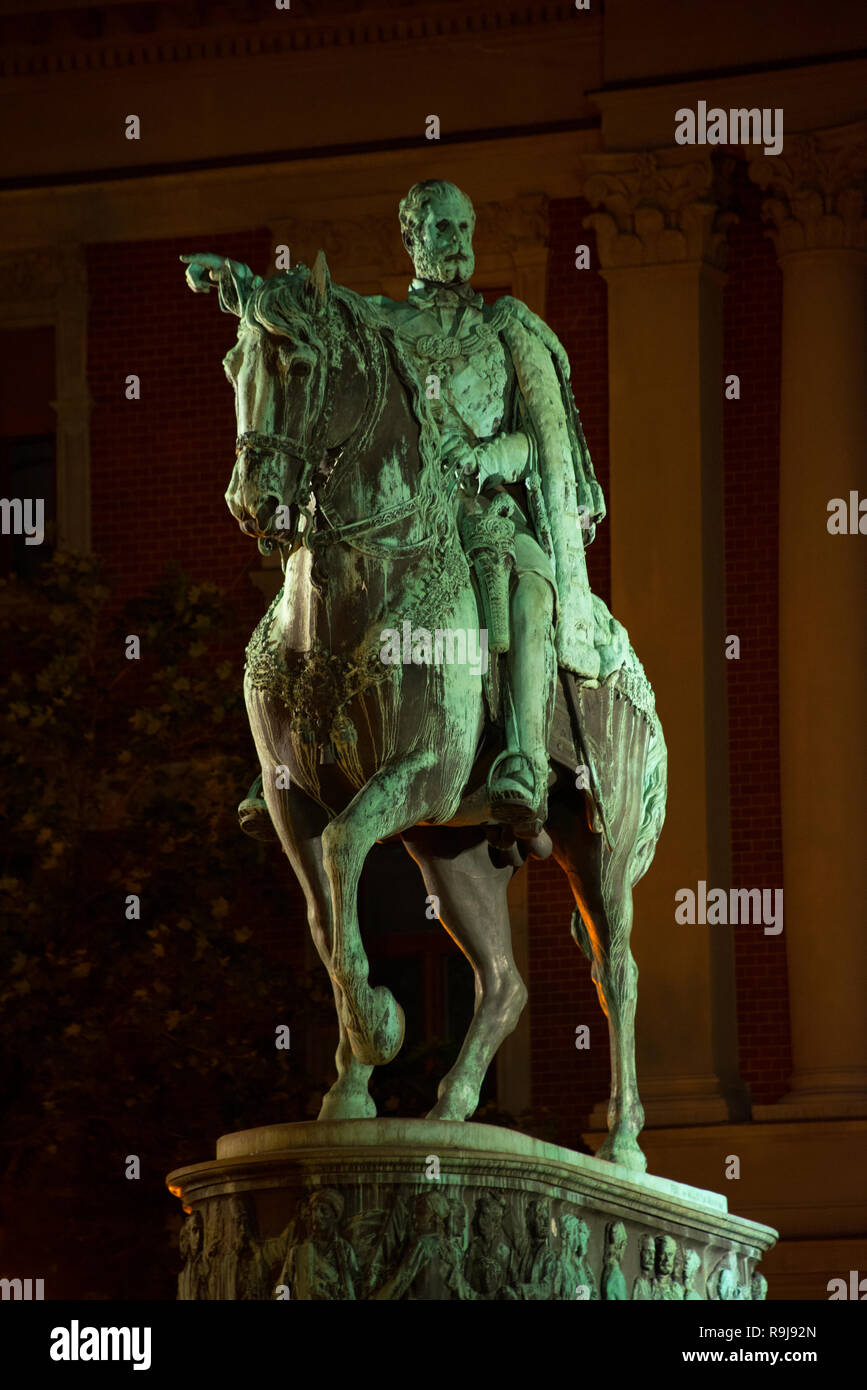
266, 512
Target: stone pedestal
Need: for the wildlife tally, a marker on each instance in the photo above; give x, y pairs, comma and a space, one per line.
418, 1209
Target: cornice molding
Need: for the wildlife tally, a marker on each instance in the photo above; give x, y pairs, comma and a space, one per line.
819, 190
659, 207
104, 38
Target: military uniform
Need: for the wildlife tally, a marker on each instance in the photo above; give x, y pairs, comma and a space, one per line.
449, 331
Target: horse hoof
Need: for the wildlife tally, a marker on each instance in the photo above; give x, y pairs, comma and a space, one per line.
455, 1102
385, 1039
448, 1111
389, 1030
623, 1151
347, 1105
255, 820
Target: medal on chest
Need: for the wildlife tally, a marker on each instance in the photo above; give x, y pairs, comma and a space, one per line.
473, 375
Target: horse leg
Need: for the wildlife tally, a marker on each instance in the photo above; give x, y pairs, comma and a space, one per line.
395, 798
601, 925
299, 823
470, 879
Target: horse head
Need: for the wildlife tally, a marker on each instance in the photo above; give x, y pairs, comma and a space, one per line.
280, 369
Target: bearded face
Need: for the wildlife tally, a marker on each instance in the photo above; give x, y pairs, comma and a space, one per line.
442, 247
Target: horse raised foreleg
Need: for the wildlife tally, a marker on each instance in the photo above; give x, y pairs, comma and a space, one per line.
393, 799
470, 879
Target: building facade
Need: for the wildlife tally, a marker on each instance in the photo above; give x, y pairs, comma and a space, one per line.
711, 297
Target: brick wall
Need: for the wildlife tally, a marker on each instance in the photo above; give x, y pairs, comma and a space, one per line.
752, 307
160, 466
143, 320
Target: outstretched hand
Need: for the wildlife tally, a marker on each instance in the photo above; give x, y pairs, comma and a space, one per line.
201, 270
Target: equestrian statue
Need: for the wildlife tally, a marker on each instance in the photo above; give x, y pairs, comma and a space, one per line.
421, 469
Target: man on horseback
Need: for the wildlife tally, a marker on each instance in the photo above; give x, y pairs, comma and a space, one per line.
497, 379
328, 383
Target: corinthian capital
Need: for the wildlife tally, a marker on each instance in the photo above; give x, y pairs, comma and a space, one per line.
818, 187
659, 207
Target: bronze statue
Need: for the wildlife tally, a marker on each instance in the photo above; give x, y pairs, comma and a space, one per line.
369, 718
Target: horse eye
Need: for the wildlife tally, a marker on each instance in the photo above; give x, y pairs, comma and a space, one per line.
299, 368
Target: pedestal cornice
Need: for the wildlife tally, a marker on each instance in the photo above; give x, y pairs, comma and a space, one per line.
420, 1209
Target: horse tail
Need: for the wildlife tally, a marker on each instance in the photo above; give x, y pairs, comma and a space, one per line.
653, 811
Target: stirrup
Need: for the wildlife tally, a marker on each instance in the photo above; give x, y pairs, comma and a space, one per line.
514, 803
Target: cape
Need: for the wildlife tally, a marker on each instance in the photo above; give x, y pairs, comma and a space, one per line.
564, 497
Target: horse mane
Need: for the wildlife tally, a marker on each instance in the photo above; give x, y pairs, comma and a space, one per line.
365, 316
275, 305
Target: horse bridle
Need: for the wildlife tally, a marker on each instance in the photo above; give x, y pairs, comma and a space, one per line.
309, 454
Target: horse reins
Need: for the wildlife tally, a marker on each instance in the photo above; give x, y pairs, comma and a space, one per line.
310, 456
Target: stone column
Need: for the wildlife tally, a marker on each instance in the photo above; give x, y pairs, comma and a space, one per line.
661, 241
817, 207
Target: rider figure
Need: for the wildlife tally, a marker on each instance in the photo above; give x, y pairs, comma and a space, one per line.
486, 365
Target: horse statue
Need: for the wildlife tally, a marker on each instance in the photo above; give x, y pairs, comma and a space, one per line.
338, 465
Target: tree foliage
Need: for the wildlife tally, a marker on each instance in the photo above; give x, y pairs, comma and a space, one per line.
124, 1035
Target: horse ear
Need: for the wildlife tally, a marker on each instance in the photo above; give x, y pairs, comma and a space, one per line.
319, 283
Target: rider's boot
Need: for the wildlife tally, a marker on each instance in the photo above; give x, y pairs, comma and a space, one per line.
518, 779
253, 816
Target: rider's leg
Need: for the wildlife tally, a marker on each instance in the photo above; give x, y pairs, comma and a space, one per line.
523, 776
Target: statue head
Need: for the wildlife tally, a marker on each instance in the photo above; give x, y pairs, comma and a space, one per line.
324, 1210
539, 1218
490, 1211
437, 222
666, 1249
575, 1234
239, 1216
194, 1233
615, 1239
431, 1213
647, 1253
